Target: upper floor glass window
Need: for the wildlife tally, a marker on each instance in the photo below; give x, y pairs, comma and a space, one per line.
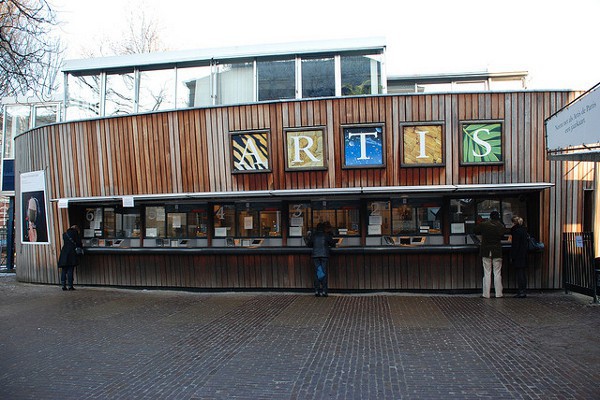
83, 96
157, 90
276, 79
361, 75
194, 87
45, 114
119, 94
318, 77
17, 119
235, 83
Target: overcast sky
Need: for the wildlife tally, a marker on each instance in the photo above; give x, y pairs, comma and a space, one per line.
556, 41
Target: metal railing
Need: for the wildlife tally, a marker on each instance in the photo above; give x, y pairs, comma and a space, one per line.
579, 263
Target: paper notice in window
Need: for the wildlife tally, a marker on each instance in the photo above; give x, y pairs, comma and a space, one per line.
220, 232
295, 231
374, 229
248, 223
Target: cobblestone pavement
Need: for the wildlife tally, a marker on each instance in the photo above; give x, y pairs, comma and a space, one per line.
102, 343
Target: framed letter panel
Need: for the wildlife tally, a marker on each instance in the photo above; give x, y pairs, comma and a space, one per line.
250, 151
481, 143
305, 149
422, 144
363, 146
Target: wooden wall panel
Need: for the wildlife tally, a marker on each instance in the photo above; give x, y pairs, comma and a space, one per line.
189, 151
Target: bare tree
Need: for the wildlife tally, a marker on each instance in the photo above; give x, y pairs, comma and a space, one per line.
142, 34
30, 55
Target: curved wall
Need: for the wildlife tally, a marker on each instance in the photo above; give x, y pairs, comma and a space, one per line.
189, 151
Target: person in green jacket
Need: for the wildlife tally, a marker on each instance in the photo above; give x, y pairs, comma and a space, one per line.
492, 231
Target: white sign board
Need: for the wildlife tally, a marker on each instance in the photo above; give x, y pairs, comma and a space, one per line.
577, 125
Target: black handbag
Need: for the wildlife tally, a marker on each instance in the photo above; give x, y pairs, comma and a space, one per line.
78, 250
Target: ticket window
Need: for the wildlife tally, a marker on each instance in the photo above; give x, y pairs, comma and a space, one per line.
224, 224
416, 222
344, 218
258, 224
379, 222
466, 213
298, 224
112, 227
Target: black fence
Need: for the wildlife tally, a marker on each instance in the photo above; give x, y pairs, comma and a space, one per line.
578, 262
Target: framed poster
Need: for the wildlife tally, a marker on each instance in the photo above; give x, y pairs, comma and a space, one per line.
422, 144
34, 216
250, 151
363, 146
481, 143
305, 149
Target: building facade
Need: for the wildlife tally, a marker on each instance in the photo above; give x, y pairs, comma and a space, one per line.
220, 196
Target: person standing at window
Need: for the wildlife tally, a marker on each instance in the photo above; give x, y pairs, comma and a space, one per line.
68, 259
518, 254
321, 242
492, 231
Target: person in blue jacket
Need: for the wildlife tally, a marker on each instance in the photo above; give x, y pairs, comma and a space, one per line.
321, 242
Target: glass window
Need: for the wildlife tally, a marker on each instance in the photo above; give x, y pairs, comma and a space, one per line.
276, 79
512, 206
361, 75
318, 77
299, 219
128, 223
343, 217
177, 225
224, 220
414, 216
380, 218
248, 223
270, 223
119, 94
44, 115
235, 83
17, 121
83, 97
462, 216
197, 220
429, 218
92, 226
485, 208
110, 223
157, 90
155, 222
194, 88
404, 217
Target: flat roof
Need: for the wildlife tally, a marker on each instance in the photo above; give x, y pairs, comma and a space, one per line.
197, 56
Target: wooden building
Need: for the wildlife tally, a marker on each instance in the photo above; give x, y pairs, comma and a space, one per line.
220, 196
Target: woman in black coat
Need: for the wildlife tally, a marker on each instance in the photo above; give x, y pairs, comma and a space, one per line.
518, 254
68, 258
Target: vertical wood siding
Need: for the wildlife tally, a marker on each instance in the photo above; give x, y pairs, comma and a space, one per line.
189, 151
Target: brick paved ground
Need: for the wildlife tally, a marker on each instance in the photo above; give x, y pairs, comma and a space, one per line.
99, 343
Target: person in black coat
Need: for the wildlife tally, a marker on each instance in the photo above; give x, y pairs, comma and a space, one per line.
518, 254
69, 259
321, 242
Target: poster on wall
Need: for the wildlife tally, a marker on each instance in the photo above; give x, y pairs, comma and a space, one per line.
34, 216
481, 142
